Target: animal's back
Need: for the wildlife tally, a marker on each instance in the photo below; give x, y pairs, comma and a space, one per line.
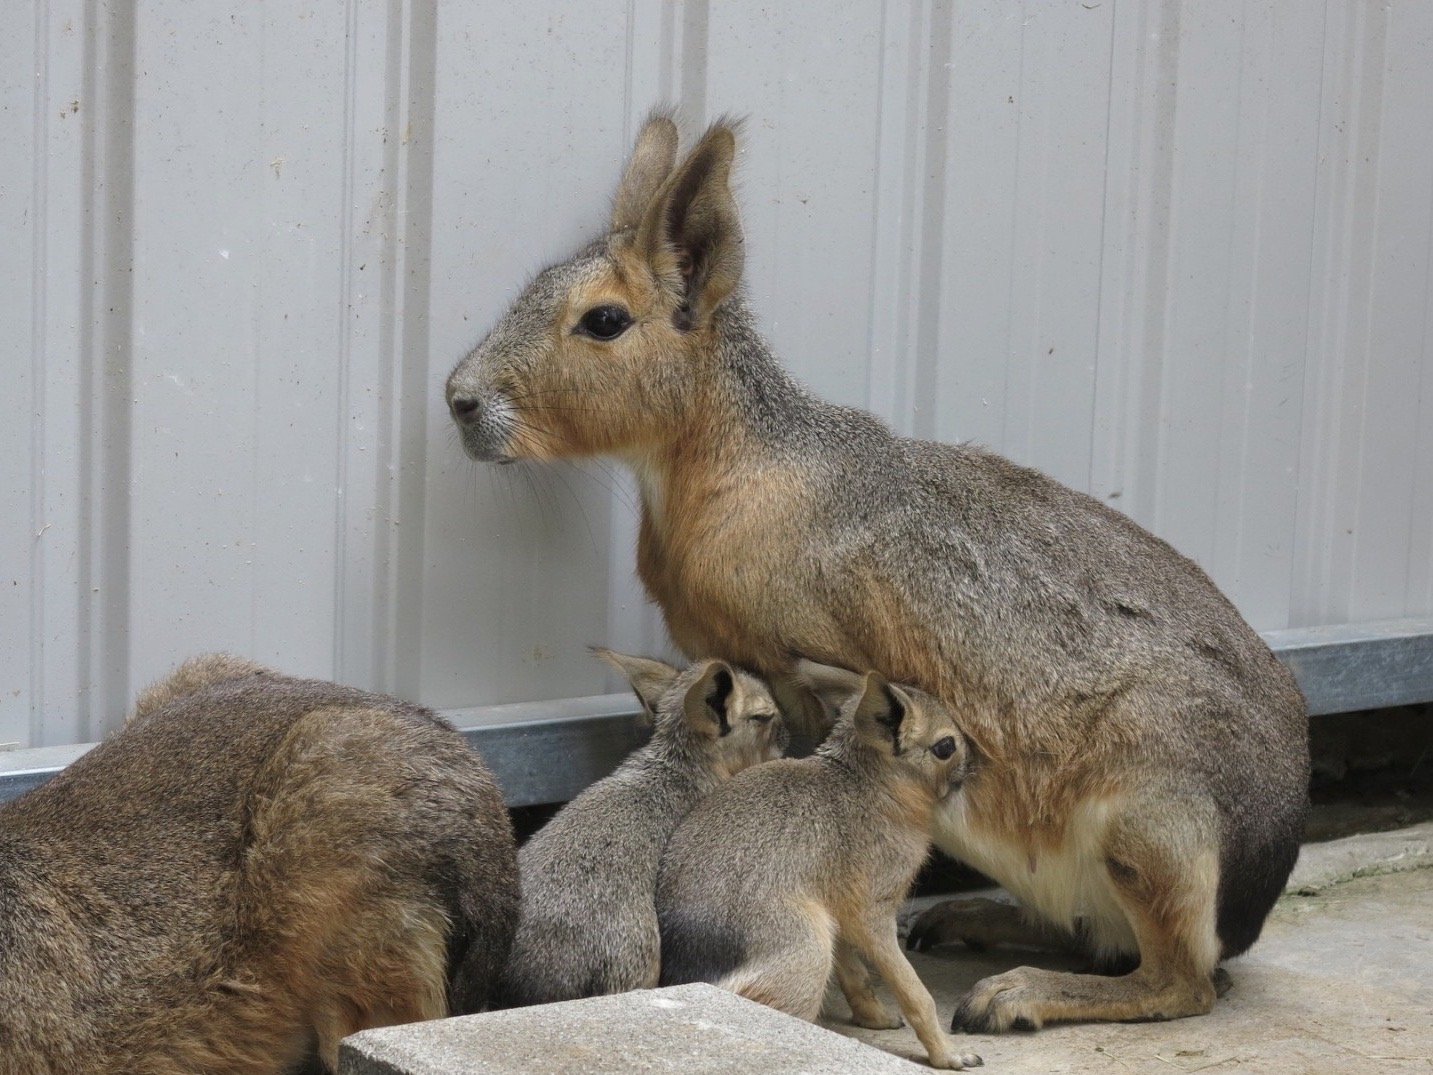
150, 891
766, 840
589, 877
1034, 590
116, 865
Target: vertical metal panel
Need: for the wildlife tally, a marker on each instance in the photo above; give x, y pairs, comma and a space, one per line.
514, 577
807, 200
22, 78
1176, 254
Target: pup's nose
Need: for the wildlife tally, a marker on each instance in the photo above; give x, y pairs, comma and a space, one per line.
464, 408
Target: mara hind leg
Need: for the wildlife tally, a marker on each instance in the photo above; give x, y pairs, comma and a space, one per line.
873, 936
385, 967
981, 924
339, 915
790, 964
854, 978
1161, 866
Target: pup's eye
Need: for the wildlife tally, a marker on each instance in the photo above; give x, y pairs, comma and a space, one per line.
944, 748
763, 718
604, 322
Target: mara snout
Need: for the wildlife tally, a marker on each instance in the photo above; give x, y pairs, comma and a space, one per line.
1136, 745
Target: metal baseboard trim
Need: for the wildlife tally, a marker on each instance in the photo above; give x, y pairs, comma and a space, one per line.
546, 752
1350, 667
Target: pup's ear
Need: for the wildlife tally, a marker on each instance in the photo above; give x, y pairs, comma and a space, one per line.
691, 232
830, 684
880, 713
652, 160
649, 679
708, 697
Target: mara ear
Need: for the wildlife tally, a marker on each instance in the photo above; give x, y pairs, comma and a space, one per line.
652, 160
691, 232
708, 697
832, 685
879, 713
649, 679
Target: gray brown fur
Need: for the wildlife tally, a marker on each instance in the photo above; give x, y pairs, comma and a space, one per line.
252, 868
589, 877
797, 868
1142, 758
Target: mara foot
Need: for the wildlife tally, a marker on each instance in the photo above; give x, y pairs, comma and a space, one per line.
1027, 998
980, 924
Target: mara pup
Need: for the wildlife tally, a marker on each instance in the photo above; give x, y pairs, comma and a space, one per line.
589, 877
251, 869
1142, 757
798, 867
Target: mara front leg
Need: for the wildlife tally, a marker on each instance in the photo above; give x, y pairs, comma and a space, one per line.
854, 977
874, 937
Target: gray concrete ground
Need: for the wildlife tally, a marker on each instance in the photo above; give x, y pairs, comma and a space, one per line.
1342, 979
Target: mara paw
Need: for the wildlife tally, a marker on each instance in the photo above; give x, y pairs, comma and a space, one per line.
979, 923
951, 1060
1008, 1001
880, 1018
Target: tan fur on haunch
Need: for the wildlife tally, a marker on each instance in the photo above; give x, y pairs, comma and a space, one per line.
795, 869
254, 868
1119, 705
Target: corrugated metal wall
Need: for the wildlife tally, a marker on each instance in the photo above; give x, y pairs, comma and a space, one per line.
1175, 253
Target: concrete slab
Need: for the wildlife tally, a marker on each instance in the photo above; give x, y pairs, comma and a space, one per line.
686, 1030
1342, 978
1364, 855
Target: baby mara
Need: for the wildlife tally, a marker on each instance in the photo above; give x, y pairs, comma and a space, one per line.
589, 878
795, 868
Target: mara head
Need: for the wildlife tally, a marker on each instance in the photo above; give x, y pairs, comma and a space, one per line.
599, 353
907, 729
728, 715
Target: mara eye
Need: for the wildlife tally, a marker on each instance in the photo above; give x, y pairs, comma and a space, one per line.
944, 748
763, 718
604, 322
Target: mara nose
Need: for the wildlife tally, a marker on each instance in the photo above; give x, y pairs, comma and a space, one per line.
464, 408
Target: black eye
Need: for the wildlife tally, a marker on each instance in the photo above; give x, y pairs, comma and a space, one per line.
763, 718
605, 322
944, 748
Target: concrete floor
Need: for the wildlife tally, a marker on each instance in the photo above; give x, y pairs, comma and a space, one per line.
1342, 979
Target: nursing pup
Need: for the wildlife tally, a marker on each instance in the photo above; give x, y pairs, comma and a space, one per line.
1144, 757
589, 877
796, 868
252, 868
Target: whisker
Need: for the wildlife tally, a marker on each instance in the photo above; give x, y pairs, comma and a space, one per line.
581, 507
